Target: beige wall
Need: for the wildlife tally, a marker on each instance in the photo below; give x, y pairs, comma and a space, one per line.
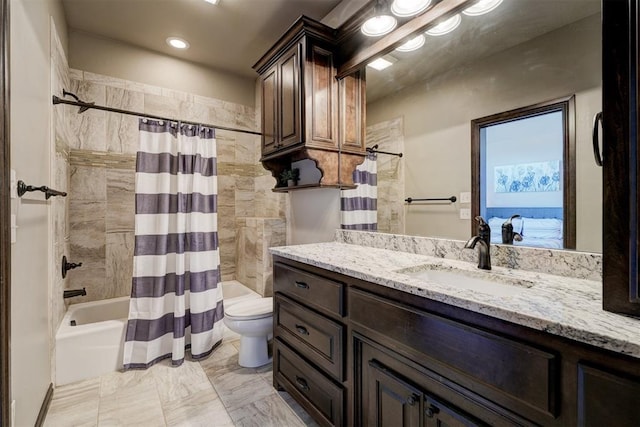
31, 153
314, 215
112, 58
437, 119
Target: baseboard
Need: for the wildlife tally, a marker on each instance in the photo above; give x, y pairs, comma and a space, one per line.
42, 415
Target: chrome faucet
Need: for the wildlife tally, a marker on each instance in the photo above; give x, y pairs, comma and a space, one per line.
484, 238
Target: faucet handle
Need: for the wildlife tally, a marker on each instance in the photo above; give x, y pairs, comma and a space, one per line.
481, 221
484, 231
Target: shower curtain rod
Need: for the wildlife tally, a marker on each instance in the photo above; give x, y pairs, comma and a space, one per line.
88, 105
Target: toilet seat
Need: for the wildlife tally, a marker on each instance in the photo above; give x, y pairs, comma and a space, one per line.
253, 309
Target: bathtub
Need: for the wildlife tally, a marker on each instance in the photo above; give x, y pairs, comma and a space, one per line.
94, 345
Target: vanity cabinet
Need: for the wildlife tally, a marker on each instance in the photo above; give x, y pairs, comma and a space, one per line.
309, 341
306, 112
405, 360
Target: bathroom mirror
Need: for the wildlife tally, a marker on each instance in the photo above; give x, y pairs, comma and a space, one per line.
522, 53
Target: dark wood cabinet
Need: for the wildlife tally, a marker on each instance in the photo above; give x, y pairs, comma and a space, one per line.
355, 353
309, 341
393, 400
604, 396
621, 168
307, 113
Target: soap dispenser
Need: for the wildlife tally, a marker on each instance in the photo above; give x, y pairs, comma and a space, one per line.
508, 235
484, 231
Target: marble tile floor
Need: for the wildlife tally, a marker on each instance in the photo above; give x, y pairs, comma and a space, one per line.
213, 392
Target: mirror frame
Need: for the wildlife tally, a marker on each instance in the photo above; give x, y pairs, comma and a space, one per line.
567, 106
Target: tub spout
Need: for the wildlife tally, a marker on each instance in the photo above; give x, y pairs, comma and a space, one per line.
69, 293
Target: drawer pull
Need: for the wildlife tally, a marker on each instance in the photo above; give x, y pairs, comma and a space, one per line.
302, 383
302, 285
431, 411
302, 330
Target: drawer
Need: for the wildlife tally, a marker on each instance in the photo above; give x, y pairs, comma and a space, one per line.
319, 395
314, 336
518, 371
309, 288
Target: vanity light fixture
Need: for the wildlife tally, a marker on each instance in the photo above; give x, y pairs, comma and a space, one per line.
380, 23
409, 7
413, 44
445, 27
482, 7
177, 42
380, 64
213, 1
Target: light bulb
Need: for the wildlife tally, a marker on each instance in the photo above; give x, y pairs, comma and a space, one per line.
378, 25
482, 7
177, 42
413, 44
409, 7
445, 27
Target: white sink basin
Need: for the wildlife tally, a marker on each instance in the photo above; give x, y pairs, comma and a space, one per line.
481, 281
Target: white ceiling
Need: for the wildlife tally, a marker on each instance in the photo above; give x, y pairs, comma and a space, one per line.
230, 36
233, 35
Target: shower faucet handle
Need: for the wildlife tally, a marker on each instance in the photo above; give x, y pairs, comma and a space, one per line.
66, 266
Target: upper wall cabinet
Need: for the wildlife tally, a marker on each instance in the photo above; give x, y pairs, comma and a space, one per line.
306, 112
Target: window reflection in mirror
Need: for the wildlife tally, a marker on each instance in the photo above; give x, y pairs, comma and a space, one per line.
523, 175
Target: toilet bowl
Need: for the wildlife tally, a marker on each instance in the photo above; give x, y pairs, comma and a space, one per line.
253, 320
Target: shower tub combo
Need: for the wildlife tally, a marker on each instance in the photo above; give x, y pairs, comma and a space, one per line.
90, 339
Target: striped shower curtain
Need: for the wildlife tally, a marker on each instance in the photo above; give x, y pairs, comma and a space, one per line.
359, 207
176, 299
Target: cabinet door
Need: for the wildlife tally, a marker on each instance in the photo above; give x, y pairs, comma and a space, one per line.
621, 171
607, 399
437, 414
351, 91
321, 106
269, 111
392, 401
289, 98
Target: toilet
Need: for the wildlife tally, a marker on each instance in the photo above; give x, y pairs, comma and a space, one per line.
253, 320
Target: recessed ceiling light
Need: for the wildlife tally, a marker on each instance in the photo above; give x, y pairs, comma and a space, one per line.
380, 64
445, 27
177, 42
482, 7
413, 44
378, 25
409, 7
213, 1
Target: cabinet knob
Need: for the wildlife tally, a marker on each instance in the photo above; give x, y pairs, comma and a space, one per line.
302, 383
302, 330
302, 285
411, 400
431, 411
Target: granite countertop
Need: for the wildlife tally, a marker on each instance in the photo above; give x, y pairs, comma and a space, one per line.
563, 306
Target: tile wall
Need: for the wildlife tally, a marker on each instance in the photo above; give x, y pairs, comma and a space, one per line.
255, 237
59, 179
100, 153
